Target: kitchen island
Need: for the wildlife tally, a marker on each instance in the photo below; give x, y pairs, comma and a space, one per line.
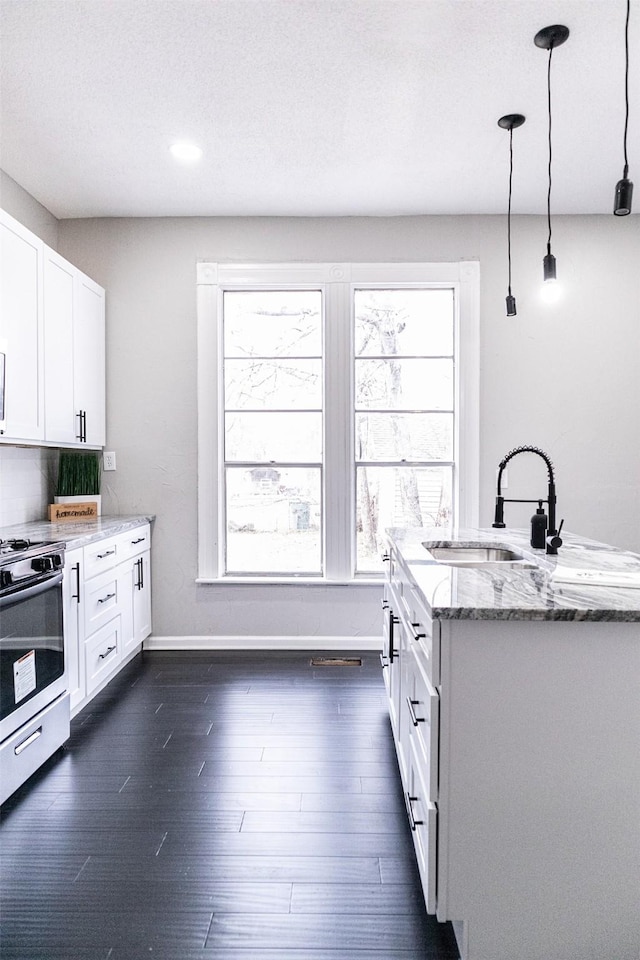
514, 696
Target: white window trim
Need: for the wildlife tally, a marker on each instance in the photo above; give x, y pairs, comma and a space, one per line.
337, 281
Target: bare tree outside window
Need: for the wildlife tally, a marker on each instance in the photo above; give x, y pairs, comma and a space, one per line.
403, 423
273, 431
403, 413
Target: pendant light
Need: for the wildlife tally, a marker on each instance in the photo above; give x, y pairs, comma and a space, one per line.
547, 39
624, 187
509, 122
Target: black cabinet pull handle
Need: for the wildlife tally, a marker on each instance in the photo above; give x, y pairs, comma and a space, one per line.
392, 621
79, 435
411, 704
413, 823
101, 556
109, 596
101, 656
76, 596
383, 661
139, 540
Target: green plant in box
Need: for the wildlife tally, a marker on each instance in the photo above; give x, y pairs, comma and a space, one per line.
78, 474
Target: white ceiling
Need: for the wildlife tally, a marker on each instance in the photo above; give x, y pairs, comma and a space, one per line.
313, 107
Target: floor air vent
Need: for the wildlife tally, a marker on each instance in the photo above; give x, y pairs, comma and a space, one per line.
336, 662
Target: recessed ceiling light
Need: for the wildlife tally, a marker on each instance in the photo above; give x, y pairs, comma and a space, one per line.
186, 152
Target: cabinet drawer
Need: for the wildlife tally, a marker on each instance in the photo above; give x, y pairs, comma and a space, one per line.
426, 634
100, 556
423, 714
102, 653
133, 542
423, 819
100, 600
27, 749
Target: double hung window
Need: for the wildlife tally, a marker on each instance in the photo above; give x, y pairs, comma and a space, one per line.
335, 400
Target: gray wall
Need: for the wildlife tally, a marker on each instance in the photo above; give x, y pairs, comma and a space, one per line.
26, 209
565, 377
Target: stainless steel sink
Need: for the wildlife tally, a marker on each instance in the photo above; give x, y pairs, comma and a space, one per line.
475, 556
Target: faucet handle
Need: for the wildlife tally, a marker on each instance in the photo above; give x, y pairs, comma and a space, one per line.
555, 540
499, 515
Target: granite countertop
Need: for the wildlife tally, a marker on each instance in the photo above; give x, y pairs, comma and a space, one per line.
607, 586
74, 534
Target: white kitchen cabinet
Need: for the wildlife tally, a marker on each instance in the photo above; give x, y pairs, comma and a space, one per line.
74, 626
59, 285
102, 655
134, 577
52, 328
21, 329
74, 375
107, 598
89, 360
517, 746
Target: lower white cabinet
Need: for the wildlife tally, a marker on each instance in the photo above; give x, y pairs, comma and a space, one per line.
102, 654
107, 609
517, 743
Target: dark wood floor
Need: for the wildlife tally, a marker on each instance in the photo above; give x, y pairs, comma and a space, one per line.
220, 806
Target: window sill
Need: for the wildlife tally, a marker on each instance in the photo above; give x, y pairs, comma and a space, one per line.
291, 581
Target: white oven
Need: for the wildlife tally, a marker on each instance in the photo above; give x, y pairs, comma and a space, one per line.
34, 704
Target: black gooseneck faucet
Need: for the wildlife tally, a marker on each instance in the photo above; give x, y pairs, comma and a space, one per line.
552, 539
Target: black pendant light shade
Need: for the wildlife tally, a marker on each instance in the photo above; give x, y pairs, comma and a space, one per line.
624, 188
623, 197
549, 265
509, 122
548, 39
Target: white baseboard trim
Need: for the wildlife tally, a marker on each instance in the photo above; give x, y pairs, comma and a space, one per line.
263, 643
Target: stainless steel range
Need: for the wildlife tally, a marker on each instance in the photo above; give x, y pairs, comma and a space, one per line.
34, 703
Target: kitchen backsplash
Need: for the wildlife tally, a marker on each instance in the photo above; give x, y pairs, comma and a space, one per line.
26, 483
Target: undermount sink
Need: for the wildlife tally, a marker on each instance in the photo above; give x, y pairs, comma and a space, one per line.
461, 555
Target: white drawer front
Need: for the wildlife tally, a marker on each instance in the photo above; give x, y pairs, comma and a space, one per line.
426, 633
133, 542
22, 753
423, 818
102, 653
100, 601
423, 712
100, 556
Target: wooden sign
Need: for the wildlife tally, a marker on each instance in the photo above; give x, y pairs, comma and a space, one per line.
61, 512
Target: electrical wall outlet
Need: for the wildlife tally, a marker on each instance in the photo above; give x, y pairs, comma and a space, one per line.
109, 460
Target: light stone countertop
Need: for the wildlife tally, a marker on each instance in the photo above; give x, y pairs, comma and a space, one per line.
498, 592
74, 534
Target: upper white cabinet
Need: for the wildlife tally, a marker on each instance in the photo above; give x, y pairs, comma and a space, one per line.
52, 327
88, 360
21, 329
74, 359
58, 345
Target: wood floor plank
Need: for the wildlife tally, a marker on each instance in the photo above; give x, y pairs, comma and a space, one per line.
295, 931
322, 822
361, 899
287, 869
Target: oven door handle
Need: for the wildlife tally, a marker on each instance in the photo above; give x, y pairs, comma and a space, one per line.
36, 588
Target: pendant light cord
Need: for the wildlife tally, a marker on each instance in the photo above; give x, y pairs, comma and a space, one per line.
549, 113
626, 89
509, 208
